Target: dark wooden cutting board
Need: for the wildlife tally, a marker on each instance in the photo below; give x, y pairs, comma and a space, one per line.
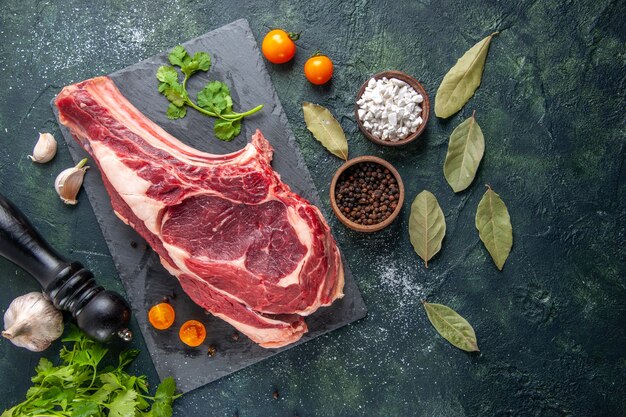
236, 60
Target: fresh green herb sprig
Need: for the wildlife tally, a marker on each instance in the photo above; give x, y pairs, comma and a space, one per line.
79, 388
213, 100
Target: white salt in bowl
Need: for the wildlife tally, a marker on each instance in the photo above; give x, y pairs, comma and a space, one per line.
425, 105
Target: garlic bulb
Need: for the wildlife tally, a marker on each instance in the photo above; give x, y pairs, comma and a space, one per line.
45, 149
68, 182
32, 322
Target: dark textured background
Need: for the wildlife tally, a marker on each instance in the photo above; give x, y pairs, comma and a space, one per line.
551, 326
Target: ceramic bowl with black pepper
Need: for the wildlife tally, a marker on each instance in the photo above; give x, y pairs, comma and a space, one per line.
366, 194
392, 108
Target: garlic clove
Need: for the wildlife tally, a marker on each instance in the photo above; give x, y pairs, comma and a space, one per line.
69, 181
45, 149
32, 322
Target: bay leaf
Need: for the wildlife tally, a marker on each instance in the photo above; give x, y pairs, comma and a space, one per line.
452, 326
494, 227
326, 129
465, 151
427, 225
462, 80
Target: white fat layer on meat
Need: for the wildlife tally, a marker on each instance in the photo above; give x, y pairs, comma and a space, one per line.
149, 132
303, 232
269, 337
179, 255
172, 269
122, 218
133, 192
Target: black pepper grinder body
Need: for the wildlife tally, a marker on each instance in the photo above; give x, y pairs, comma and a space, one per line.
99, 313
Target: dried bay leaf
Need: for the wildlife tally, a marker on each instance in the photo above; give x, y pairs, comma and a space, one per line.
462, 80
465, 151
427, 225
452, 326
326, 129
494, 227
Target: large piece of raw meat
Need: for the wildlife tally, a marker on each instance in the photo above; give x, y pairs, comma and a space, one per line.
242, 244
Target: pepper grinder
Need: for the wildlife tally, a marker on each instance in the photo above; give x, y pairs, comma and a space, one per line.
99, 313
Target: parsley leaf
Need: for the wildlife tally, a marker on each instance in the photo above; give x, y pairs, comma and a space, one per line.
142, 383
78, 388
199, 61
215, 97
163, 398
142, 404
86, 409
123, 404
175, 112
167, 75
126, 357
166, 389
177, 55
161, 409
111, 380
213, 100
175, 93
226, 130
170, 87
74, 335
44, 366
203, 59
102, 394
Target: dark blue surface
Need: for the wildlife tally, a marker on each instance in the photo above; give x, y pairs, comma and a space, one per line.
551, 326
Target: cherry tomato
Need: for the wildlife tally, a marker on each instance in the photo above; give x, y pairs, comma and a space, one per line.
278, 46
192, 333
161, 316
318, 69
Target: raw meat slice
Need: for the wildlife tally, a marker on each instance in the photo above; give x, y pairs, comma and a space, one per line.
242, 244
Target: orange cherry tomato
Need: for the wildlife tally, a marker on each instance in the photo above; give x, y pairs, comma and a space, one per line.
192, 333
318, 69
161, 316
278, 46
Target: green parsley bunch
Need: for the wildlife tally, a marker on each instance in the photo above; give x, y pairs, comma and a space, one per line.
79, 388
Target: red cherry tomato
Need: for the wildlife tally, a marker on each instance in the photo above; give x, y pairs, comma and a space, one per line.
278, 46
318, 69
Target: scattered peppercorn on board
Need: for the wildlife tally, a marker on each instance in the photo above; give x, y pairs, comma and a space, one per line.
237, 62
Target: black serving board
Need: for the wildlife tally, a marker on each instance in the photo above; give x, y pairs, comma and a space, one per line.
237, 61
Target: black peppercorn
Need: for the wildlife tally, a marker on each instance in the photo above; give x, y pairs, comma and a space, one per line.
211, 351
366, 193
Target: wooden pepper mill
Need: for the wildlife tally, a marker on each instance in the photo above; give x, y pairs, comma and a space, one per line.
99, 313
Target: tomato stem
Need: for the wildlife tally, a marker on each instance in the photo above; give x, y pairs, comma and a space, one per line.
294, 36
